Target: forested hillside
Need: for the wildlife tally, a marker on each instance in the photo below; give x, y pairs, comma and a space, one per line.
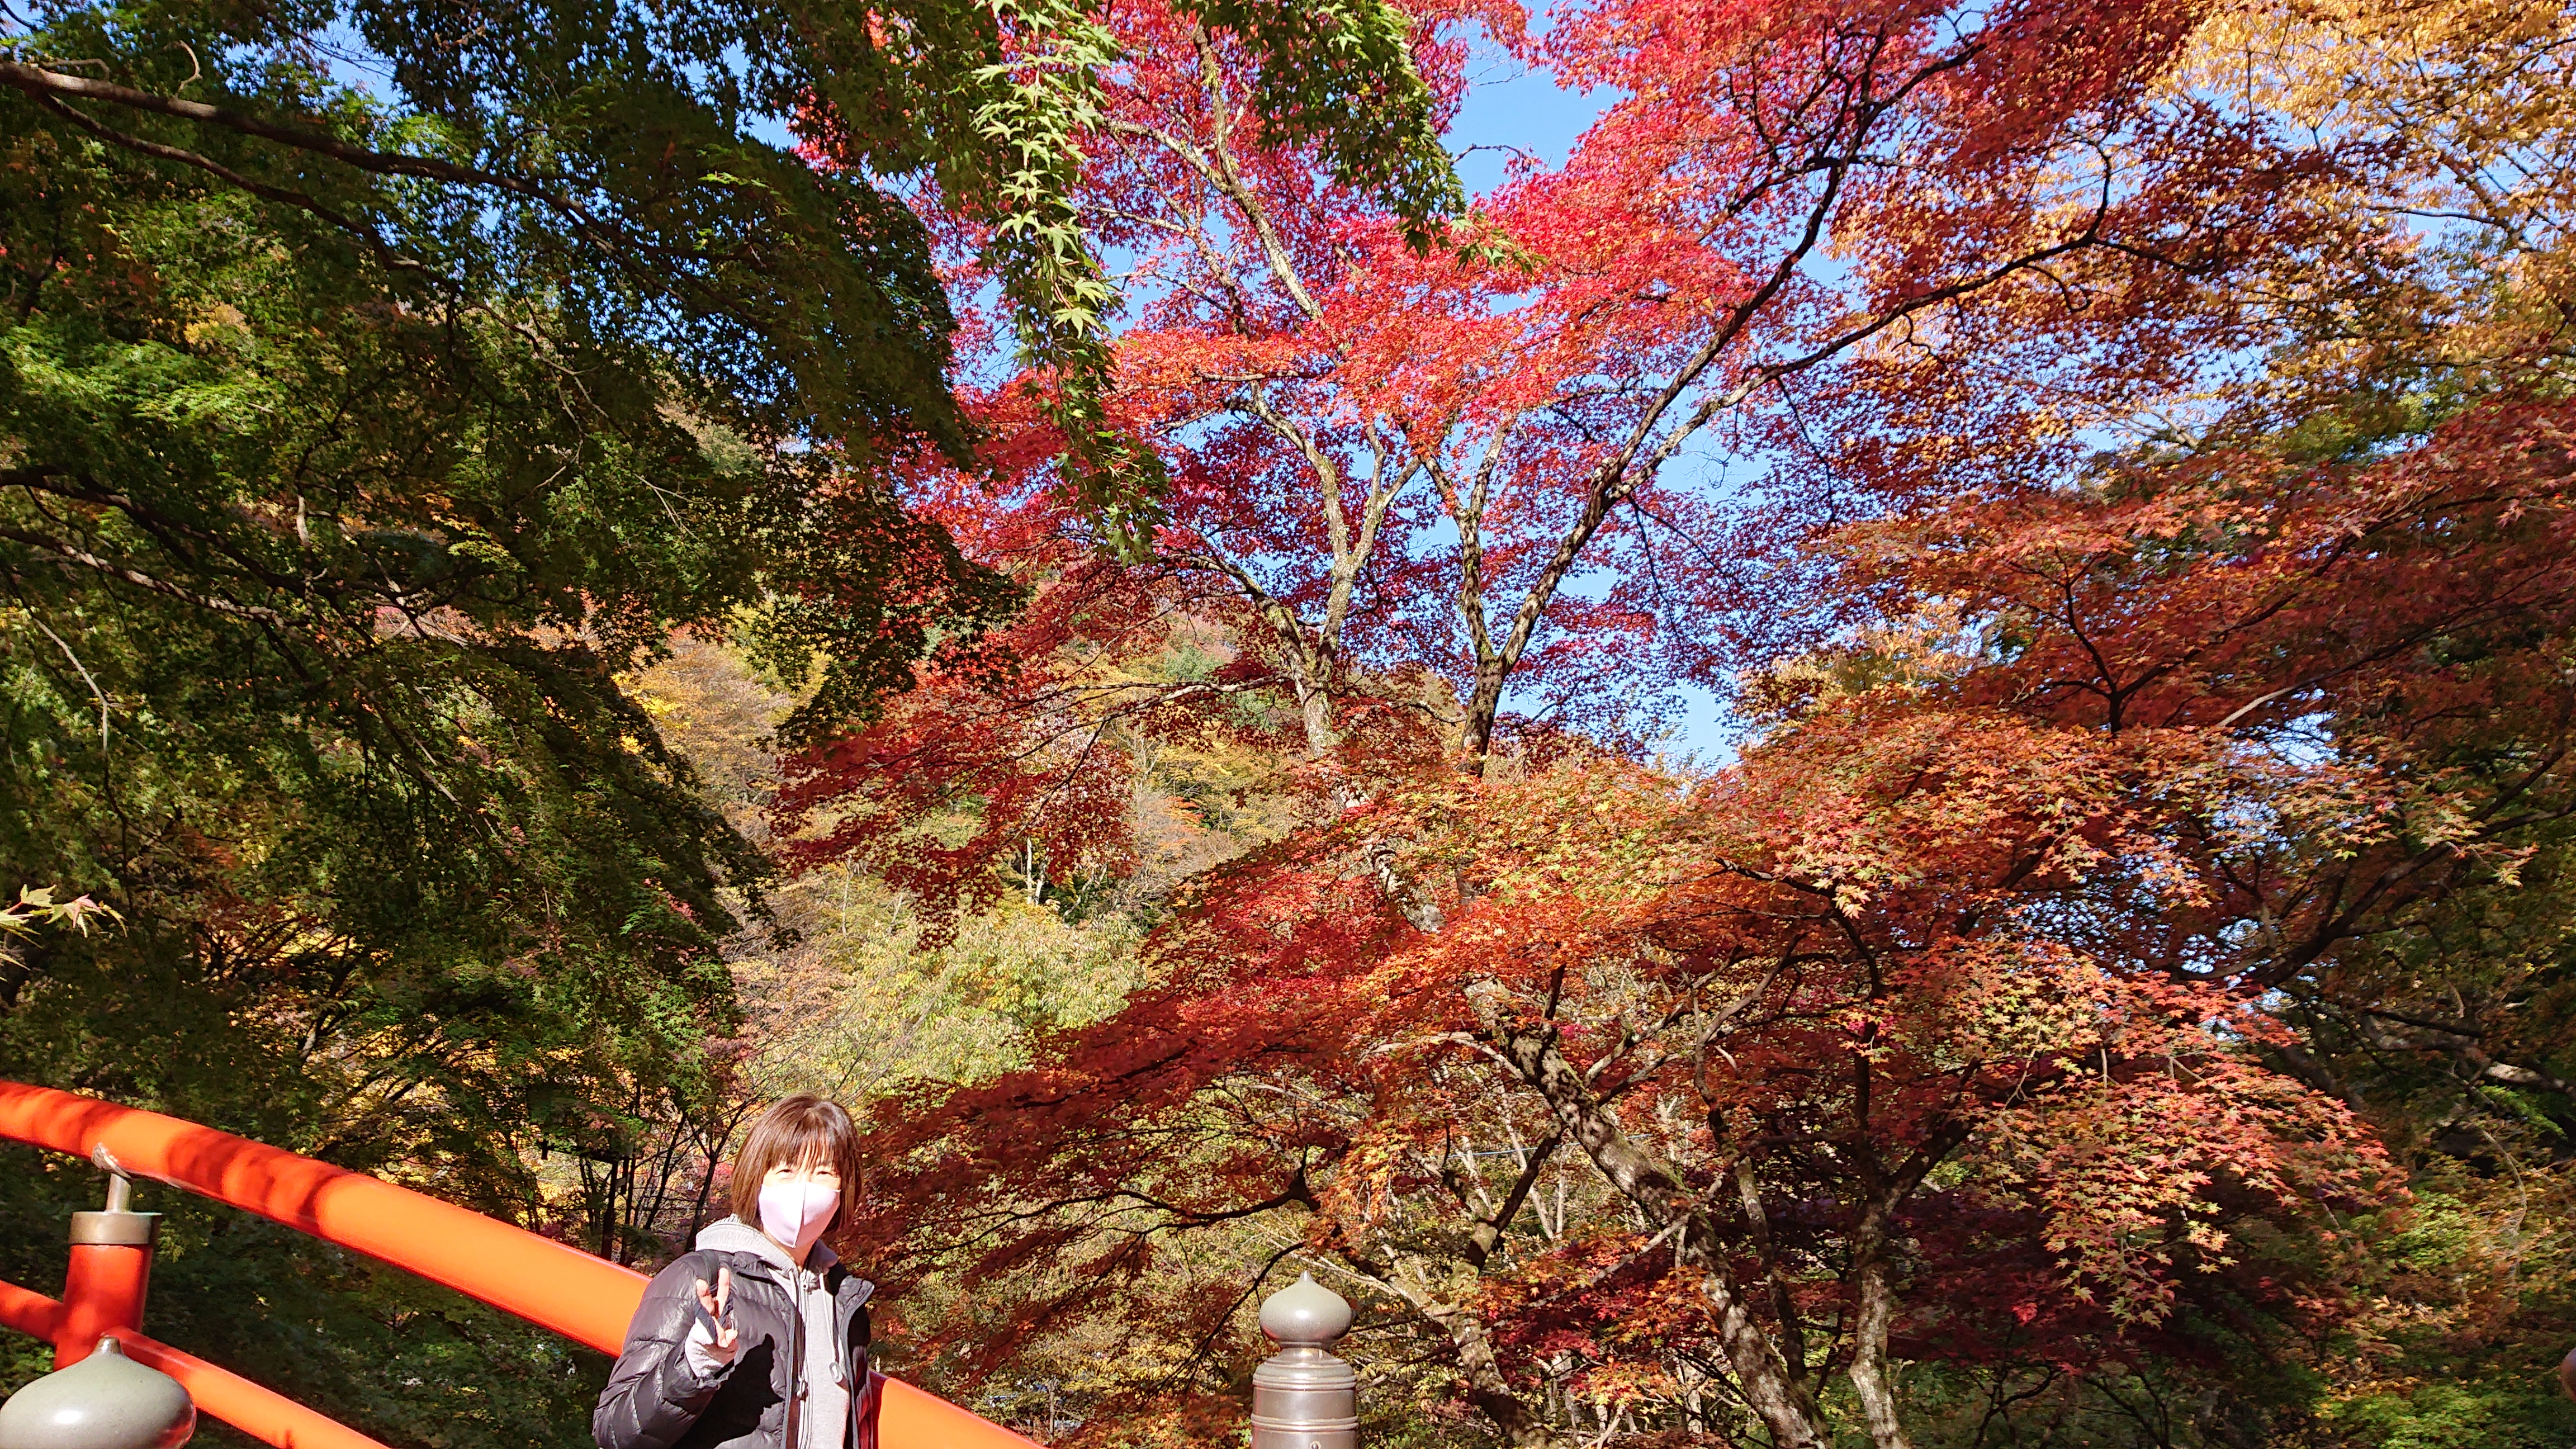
1048, 574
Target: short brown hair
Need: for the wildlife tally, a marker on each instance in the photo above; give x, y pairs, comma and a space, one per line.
796, 1130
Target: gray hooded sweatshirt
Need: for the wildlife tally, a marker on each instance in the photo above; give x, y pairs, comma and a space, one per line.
820, 1414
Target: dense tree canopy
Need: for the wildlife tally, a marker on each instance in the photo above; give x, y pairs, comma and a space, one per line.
574, 567
2137, 571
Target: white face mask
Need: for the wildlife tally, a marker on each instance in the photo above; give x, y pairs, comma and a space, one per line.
794, 1212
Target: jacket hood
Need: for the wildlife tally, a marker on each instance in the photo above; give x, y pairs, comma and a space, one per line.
730, 1234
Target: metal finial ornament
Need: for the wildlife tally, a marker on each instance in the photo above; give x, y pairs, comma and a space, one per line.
106, 1401
1302, 1396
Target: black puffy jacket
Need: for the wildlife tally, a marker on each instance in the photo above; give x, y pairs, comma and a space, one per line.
656, 1399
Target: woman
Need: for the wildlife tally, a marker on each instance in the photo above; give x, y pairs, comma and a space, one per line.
759, 1339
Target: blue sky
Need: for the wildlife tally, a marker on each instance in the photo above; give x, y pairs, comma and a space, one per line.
1509, 106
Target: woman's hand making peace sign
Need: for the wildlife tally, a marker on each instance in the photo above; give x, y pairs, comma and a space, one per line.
718, 1303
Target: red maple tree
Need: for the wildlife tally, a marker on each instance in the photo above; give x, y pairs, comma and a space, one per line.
1424, 491
1939, 1027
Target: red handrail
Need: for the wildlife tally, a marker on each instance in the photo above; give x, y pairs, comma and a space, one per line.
586, 1299
268, 1417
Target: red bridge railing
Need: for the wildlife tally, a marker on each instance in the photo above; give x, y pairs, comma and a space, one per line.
586, 1299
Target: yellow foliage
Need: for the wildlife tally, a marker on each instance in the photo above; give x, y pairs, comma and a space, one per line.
2468, 108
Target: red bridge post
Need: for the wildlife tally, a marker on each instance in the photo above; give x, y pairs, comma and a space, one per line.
110, 1272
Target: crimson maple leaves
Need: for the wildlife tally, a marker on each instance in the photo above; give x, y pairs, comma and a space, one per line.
1940, 1027
1431, 484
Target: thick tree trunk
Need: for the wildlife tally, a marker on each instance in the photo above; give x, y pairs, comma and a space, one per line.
1484, 701
1871, 1282
1315, 712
